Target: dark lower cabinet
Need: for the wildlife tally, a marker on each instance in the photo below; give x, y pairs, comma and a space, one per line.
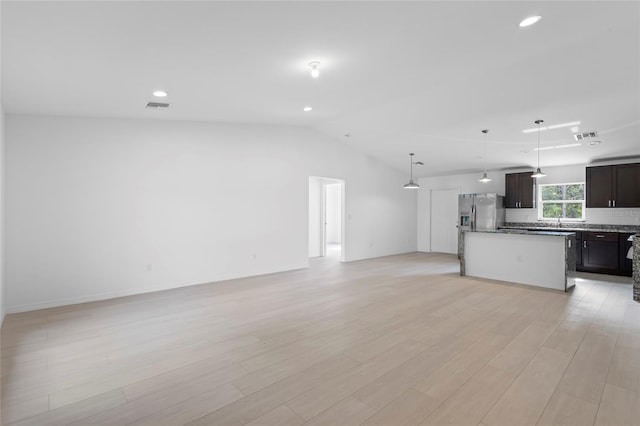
600, 252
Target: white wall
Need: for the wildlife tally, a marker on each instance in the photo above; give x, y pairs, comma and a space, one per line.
2, 204
315, 217
2, 214
334, 212
468, 183
98, 208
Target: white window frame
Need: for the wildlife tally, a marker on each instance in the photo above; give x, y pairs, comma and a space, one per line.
541, 203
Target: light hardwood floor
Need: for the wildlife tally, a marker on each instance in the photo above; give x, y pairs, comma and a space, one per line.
400, 340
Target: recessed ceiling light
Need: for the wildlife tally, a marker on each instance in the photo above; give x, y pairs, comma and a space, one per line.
160, 94
530, 21
307, 109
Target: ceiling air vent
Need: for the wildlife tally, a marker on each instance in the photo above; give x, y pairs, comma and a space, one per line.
585, 136
157, 105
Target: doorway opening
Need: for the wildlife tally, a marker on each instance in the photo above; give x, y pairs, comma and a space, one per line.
326, 218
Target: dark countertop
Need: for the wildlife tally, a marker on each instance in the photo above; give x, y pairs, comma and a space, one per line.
573, 228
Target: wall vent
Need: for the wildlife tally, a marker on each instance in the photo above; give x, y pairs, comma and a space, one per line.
157, 105
584, 136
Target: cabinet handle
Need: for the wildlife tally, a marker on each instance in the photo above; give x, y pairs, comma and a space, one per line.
584, 244
599, 236
609, 203
614, 203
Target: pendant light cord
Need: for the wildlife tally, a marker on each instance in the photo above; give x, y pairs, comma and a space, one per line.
538, 143
411, 167
538, 122
484, 151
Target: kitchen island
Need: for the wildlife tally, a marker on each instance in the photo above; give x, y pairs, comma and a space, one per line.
538, 258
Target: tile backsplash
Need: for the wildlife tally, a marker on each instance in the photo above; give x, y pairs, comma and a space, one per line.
617, 216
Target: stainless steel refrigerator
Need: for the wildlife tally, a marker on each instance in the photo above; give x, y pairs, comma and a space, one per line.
480, 212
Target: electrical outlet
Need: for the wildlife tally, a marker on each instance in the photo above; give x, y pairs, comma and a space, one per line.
519, 258
149, 267
253, 256
371, 244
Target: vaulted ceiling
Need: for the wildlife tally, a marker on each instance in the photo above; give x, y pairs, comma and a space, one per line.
398, 77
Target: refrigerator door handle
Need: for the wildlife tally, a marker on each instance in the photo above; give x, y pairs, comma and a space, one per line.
472, 218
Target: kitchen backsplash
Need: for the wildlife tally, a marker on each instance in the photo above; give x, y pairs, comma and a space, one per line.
597, 216
571, 226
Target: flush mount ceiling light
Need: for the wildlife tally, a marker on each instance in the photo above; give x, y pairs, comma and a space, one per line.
307, 109
412, 184
530, 21
485, 178
315, 72
160, 94
538, 173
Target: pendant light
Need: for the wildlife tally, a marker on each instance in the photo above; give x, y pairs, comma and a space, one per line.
538, 173
485, 178
412, 184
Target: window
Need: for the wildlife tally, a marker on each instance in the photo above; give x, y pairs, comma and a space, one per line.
561, 200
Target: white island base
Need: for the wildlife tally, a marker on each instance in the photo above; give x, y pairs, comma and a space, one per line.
533, 258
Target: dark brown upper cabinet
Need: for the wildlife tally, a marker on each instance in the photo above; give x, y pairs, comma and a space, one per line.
519, 190
613, 186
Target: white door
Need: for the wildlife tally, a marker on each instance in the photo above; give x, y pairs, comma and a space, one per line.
444, 214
